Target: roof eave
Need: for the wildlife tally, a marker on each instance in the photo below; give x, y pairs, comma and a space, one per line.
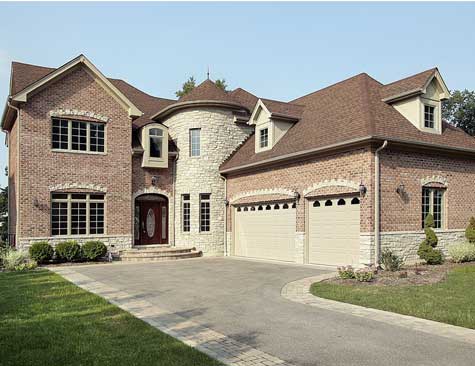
196, 103
403, 95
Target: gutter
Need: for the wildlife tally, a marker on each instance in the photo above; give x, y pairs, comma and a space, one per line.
174, 197
225, 215
377, 202
19, 171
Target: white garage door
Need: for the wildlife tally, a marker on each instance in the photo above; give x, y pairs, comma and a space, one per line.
265, 231
334, 231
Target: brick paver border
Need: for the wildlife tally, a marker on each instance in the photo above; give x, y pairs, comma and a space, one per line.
299, 291
214, 344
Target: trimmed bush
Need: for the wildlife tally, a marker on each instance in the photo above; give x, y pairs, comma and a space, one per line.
41, 251
346, 272
426, 248
93, 250
68, 251
462, 252
470, 231
364, 275
390, 261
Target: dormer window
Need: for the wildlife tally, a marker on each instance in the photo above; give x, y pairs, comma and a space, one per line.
429, 116
156, 142
263, 138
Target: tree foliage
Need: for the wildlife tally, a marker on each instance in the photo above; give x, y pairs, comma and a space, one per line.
427, 249
459, 110
187, 87
3, 214
221, 83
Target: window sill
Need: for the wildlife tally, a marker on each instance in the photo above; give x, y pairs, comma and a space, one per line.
78, 236
79, 152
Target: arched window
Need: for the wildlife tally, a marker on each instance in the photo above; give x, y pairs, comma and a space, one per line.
328, 203
268, 207
355, 201
285, 206
260, 208
276, 206
253, 208
246, 209
316, 204
341, 202
156, 142
294, 205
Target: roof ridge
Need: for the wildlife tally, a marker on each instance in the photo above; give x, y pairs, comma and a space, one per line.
411, 76
140, 90
330, 86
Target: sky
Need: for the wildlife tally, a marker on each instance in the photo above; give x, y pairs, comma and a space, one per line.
274, 50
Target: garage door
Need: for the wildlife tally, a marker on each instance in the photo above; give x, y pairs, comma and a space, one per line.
334, 231
265, 231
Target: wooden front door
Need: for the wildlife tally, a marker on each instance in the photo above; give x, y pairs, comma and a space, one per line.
153, 222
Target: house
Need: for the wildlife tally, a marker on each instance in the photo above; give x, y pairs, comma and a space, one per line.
330, 178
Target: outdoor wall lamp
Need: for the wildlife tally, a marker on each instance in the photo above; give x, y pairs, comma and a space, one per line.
155, 180
36, 203
362, 189
296, 195
400, 189
226, 202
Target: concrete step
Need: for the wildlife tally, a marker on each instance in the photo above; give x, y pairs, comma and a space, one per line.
144, 252
164, 256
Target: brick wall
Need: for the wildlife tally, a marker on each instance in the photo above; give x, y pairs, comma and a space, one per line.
41, 168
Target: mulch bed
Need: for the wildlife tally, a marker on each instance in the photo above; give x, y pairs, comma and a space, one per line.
421, 274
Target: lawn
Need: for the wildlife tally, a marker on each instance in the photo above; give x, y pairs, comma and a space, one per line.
451, 301
46, 320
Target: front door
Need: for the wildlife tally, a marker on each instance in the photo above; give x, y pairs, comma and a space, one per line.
153, 222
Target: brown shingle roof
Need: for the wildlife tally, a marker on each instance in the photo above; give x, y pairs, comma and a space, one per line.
24, 75
244, 98
406, 85
283, 109
349, 110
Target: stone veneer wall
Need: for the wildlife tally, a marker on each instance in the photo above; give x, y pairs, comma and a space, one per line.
220, 136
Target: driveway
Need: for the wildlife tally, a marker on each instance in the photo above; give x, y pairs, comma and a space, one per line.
242, 300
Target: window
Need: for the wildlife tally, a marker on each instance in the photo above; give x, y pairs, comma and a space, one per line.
205, 214
186, 212
70, 135
77, 214
328, 203
195, 142
316, 204
355, 201
432, 203
263, 137
156, 142
429, 113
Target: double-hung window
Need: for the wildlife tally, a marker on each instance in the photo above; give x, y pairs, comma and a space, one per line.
433, 203
429, 116
186, 213
77, 214
263, 138
156, 142
195, 142
205, 212
68, 135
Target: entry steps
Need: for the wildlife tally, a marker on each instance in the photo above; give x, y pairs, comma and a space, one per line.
156, 253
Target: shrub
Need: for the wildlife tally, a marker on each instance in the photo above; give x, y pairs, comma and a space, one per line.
12, 258
68, 251
426, 248
462, 252
390, 261
364, 275
25, 266
41, 251
470, 231
92, 250
346, 272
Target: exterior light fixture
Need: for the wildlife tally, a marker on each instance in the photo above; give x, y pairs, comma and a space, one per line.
226, 202
36, 202
400, 189
155, 180
296, 195
362, 189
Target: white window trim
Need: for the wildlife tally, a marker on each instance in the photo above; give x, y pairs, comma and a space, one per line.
261, 140
147, 160
201, 200
70, 138
270, 137
437, 129
443, 214
69, 200
183, 201
190, 142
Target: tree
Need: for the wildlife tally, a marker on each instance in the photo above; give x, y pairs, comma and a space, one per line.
187, 87
427, 249
221, 83
3, 214
459, 110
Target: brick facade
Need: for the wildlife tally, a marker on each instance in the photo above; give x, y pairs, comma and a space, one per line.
41, 168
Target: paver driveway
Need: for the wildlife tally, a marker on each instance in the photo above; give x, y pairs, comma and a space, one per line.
242, 300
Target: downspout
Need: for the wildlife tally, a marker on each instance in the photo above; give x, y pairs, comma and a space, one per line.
225, 216
377, 187
18, 172
174, 198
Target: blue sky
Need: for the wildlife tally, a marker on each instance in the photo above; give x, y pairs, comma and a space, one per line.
275, 50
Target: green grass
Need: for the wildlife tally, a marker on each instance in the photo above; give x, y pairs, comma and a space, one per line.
46, 320
451, 301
